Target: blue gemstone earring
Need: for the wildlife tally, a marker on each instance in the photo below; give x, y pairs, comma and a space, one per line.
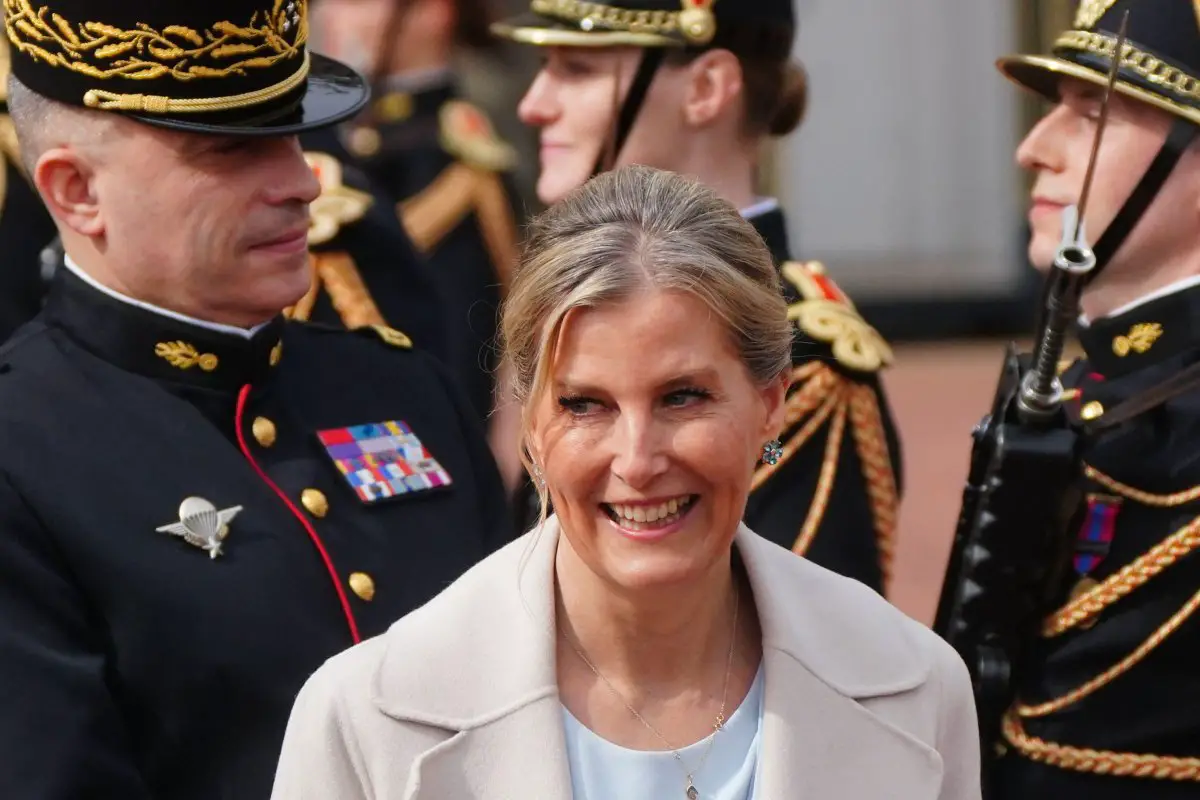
772, 452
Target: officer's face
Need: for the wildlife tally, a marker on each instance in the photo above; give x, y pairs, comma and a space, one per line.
1057, 151
574, 101
648, 461
215, 227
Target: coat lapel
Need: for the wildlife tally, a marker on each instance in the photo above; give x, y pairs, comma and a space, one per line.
820, 744
518, 756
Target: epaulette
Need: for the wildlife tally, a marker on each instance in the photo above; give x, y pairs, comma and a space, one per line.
467, 134
338, 204
388, 335
826, 313
459, 190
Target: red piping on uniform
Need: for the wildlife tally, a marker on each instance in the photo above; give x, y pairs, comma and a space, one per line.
243, 395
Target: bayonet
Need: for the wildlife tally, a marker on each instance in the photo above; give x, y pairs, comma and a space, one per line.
1040, 398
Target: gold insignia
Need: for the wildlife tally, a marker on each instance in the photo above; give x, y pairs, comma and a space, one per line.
827, 315
1141, 337
394, 107
337, 205
467, 134
1090, 12
393, 337
103, 51
185, 356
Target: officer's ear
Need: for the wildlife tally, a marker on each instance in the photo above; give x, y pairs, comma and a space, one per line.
66, 181
714, 88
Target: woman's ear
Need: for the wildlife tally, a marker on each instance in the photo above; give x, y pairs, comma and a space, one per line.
774, 396
714, 85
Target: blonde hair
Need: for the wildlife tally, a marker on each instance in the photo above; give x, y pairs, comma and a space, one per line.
622, 232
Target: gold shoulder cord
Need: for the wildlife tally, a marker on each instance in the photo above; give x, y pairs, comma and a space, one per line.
1083, 610
819, 394
459, 190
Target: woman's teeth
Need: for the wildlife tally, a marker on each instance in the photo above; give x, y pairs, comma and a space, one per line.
637, 518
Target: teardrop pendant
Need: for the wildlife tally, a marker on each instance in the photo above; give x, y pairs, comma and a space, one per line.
692, 794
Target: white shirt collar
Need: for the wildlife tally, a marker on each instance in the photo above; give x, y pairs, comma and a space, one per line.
1169, 289
200, 323
760, 207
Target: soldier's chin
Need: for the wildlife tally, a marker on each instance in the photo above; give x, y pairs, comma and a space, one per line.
1041, 253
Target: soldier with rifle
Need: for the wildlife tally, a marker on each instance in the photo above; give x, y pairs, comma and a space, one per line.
1072, 588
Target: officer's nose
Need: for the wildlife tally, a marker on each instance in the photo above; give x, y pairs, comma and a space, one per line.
294, 180
537, 108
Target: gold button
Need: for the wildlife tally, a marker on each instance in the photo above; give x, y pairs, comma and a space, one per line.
315, 502
276, 353
264, 431
362, 585
364, 141
395, 107
1093, 410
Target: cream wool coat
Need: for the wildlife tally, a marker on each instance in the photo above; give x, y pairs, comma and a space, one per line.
458, 700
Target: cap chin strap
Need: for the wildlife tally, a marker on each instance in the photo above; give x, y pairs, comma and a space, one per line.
651, 60
1183, 133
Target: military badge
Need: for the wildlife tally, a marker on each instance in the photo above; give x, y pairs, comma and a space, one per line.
383, 460
202, 525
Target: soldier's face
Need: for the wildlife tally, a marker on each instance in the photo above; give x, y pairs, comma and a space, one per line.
215, 227
574, 100
648, 462
1057, 150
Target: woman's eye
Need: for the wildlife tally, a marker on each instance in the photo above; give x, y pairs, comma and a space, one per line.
578, 406
686, 397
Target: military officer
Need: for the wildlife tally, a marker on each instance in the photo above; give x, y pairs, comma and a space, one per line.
1110, 707
434, 158
200, 500
25, 227
697, 87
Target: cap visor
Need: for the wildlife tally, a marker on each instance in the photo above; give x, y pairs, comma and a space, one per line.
535, 29
333, 92
1042, 74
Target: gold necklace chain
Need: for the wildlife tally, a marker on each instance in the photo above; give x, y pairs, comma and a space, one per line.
719, 724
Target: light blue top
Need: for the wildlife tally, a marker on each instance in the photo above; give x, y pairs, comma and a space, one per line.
601, 770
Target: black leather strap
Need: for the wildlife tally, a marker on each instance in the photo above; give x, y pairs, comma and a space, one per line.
651, 60
1180, 383
1181, 136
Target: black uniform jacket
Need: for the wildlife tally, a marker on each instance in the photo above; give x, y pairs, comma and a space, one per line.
1114, 686
834, 496
134, 663
25, 230
436, 164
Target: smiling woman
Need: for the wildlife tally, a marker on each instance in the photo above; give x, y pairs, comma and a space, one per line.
642, 642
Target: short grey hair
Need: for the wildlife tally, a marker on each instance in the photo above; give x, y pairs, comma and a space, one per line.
42, 123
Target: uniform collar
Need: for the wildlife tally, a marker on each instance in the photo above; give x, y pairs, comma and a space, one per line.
1144, 333
767, 219
157, 343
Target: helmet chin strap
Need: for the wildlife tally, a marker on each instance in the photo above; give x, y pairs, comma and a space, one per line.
1182, 134
651, 60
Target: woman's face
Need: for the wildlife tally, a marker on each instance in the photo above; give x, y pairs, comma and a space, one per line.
574, 100
648, 435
